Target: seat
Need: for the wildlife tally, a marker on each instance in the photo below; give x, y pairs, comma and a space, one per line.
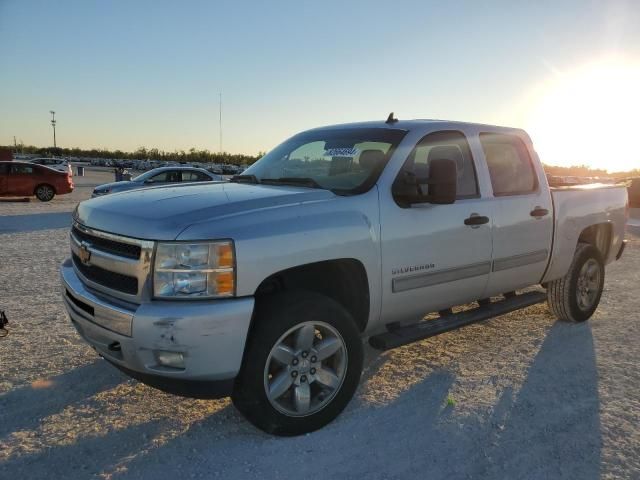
449, 152
340, 165
371, 159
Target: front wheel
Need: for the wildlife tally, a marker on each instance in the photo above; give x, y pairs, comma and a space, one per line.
576, 296
45, 193
302, 364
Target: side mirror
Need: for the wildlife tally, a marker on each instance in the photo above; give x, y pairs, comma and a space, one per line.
442, 185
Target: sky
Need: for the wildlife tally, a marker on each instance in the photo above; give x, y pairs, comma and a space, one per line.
125, 74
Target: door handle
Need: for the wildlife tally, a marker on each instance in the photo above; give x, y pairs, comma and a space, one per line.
539, 212
476, 220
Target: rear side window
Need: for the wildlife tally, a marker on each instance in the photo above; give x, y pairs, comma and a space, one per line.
22, 169
450, 145
509, 163
195, 177
167, 176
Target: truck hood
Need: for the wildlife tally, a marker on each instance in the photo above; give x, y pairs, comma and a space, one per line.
161, 213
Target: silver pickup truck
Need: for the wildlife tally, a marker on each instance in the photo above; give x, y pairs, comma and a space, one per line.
264, 288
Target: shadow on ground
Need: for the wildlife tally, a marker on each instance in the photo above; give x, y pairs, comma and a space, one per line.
22, 408
549, 428
34, 222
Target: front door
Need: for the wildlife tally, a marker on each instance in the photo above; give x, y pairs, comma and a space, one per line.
522, 213
431, 258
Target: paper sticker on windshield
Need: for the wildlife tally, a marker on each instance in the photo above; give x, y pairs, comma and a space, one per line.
341, 152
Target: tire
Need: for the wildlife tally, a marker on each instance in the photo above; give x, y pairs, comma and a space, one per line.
574, 297
45, 192
285, 321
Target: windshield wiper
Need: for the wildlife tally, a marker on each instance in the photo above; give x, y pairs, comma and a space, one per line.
302, 181
244, 179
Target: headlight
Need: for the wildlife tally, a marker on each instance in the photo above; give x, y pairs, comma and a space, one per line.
194, 270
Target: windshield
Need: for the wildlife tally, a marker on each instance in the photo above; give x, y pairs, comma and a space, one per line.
346, 161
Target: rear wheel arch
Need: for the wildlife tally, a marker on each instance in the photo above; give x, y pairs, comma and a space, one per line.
564, 294
44, 184
598, 235
41, 184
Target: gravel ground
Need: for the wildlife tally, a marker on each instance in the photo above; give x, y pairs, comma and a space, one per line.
519, 396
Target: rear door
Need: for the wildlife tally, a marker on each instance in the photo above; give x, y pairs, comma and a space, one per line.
21, 179
522, 212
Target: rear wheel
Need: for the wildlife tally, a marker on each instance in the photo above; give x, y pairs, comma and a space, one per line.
302, 364
575, 297
45, 193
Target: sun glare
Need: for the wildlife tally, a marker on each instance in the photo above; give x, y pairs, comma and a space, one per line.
589, 117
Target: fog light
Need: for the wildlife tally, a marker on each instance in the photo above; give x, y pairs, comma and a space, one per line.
170, 359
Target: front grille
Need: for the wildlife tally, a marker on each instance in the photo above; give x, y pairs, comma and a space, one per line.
109, 246
115, 281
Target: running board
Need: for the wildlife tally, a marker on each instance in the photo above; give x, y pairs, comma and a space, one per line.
430, 328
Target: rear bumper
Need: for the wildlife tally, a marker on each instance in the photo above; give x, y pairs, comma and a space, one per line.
210, 335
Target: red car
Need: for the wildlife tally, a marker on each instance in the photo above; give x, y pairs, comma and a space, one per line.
22, 179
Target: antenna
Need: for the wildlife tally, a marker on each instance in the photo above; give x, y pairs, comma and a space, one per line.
220, 105
391, 119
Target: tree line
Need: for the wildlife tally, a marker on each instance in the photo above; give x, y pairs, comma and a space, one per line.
142, 153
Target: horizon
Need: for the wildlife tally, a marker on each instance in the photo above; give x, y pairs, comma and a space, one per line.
122, 76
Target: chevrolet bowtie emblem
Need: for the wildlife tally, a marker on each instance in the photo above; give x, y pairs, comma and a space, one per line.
84, 253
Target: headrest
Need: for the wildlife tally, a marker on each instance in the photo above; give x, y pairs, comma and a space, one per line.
450, 152
369, 159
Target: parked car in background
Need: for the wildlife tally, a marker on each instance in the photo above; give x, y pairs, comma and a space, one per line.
6, 154
159, 176
634, 193
24, 179
59, 164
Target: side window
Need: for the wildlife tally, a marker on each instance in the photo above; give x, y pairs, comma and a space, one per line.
4, 168
194, 177
161, 177
450, 145
21, 170
509, 164
174, 176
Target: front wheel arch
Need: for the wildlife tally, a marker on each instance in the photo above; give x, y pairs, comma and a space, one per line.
275, 315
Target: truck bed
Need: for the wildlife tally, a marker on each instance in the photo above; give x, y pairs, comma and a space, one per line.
602, 207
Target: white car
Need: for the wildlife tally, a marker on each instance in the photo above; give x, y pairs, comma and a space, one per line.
59, 164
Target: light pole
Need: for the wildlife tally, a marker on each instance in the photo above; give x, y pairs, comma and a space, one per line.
53, 124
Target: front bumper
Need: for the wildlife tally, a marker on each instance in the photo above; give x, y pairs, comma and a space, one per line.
210, 335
